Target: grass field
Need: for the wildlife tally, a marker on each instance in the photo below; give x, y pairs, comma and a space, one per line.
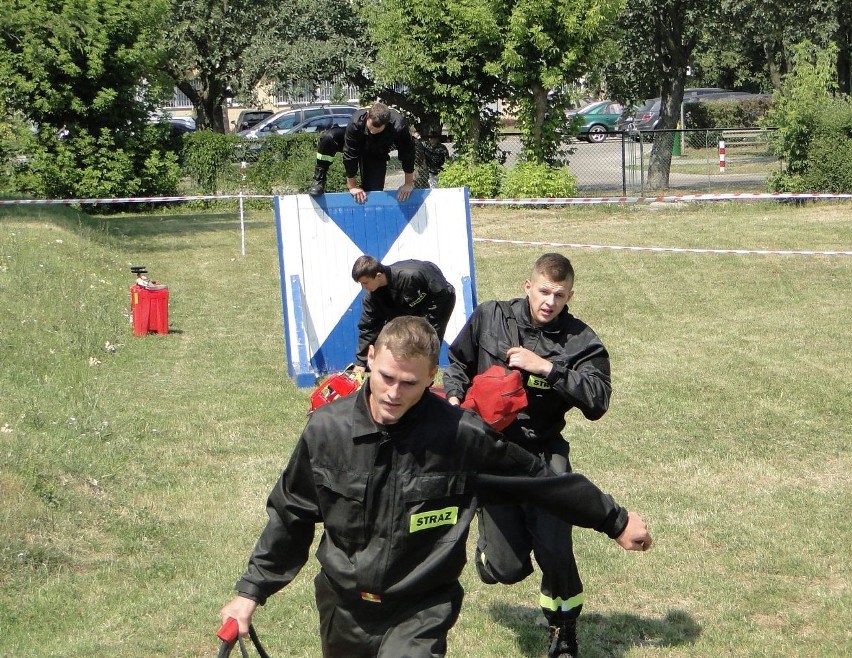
133, 471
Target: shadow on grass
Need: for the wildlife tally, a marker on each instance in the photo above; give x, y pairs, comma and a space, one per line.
599, 636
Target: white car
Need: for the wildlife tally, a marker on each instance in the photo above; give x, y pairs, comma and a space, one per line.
283, 121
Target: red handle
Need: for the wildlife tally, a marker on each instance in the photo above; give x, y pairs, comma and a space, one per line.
228, 631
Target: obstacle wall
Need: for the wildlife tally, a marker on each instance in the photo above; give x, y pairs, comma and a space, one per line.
319, 239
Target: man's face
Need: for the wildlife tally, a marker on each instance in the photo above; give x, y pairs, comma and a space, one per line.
547, 298
374, 130
370, 283
396, 385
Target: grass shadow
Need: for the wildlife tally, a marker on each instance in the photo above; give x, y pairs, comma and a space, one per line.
600, 636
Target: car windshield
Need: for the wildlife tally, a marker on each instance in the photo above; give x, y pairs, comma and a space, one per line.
284, 121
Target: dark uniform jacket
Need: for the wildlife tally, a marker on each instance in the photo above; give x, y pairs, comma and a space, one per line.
396, 502
580, 376
415, 287
360, 143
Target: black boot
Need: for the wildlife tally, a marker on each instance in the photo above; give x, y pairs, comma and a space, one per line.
318, 185
563, 639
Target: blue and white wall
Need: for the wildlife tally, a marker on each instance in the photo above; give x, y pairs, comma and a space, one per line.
319, 239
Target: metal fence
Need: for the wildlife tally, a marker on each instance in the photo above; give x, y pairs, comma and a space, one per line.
619, 165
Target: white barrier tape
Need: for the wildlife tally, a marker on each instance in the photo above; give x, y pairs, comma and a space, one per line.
674, 250
573, 201
566, 201
150, 199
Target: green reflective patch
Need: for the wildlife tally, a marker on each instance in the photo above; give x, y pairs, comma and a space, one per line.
537, 382
433, 519
560, 604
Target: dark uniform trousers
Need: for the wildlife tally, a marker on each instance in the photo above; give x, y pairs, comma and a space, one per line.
411, 627
509, 533
373, 168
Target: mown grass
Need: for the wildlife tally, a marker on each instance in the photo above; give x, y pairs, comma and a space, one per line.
133, 481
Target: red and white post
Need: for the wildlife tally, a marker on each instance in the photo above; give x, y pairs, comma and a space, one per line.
721, 156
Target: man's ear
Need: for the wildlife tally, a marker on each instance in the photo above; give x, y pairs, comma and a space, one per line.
527, 286
371, 354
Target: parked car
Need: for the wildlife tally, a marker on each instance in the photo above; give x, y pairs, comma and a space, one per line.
646, 117
318, 124
284, 120
313, 125
599, 119
250, 118
178, 125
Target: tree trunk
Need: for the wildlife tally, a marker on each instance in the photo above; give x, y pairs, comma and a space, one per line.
660, 162
542, 107
208, 100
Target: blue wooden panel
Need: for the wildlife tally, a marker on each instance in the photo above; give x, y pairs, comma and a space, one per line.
319, 240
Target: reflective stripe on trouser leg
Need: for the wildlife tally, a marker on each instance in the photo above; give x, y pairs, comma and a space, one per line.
325, 158
561, 605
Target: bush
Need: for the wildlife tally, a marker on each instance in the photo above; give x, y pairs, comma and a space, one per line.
728, 113
285, 165
107, 165
210, 160
483, 179
829, 156
532, 180
814, 126
802, 98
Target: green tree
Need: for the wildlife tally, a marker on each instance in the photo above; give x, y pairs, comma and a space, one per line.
445, 54
232, 46
659, 38
803, 97
79, 63
751, 46
549, 43
75, 69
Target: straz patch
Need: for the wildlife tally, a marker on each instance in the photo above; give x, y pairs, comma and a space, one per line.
433, 519
537, 382
419, 299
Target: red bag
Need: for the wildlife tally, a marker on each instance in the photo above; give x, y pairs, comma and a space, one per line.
497, 395
336, 386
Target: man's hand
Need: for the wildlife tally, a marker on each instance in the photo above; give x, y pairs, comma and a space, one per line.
521, 358
241, 609
635, 536
359, 370
453, 400
404, 191
358, 194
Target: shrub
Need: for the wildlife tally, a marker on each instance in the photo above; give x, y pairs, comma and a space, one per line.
532, 180
829, 157
107, 165
483, 179
814, 126
802, 98
727, 113
285, 165
210, 160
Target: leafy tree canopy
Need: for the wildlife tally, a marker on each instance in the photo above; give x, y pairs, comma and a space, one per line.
79, 63
446, 55
233, 46
548, 44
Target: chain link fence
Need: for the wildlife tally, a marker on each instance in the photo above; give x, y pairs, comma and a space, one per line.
618, 166
715, 160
